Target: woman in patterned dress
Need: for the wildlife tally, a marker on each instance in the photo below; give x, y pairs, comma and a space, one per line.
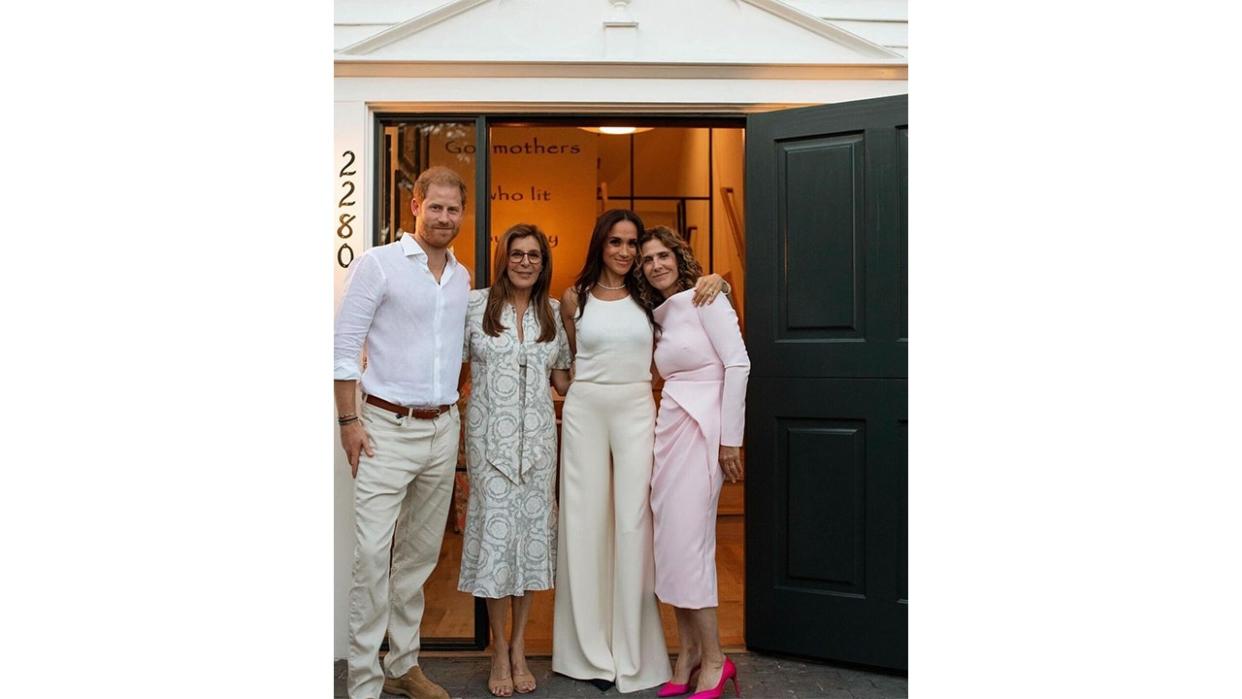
514, 340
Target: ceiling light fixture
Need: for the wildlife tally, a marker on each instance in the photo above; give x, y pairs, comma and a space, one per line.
616, 130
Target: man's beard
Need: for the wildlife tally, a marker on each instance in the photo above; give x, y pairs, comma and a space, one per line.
428, 231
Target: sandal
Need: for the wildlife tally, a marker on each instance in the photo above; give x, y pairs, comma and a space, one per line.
502, 686
523, 682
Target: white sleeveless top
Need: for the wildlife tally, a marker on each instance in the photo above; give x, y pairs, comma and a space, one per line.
614, 342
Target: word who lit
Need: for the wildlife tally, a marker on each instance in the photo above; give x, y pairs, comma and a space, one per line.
535, 194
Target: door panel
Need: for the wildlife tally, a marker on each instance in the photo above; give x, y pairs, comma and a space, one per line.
823, 282
829, 207
826, 411
830, 551
903, 528
903, 181
405, 147
826, 462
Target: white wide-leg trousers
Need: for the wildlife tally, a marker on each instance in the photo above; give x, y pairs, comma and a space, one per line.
607, 622
405, 487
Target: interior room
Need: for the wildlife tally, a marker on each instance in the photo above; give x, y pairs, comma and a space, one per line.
560, 177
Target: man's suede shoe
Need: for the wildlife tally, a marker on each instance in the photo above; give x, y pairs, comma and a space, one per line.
414, 684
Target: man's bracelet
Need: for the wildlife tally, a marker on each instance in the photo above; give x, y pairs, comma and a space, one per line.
342, 421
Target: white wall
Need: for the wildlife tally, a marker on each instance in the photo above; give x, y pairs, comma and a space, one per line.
884, 22
590, 92
723, 30
352, 124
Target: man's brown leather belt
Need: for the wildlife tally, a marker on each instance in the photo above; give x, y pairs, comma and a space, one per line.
402, 411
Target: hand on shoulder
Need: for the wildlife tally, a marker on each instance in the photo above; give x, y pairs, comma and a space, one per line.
707, 287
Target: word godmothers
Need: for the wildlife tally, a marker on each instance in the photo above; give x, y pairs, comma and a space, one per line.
531, 147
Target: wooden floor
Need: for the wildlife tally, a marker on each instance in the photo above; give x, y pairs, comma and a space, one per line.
449, 614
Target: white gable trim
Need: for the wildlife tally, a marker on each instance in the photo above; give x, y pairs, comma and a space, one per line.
818, 26
411, 26
778, 9
880, 69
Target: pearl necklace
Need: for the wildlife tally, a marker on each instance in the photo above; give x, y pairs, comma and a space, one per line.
610, 288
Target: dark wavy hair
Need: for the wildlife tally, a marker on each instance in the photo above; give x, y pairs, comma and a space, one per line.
688, 268
502, 289
594, 265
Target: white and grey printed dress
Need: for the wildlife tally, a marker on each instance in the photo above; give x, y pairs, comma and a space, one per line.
509, 545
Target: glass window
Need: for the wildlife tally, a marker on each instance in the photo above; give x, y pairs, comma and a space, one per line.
410, 148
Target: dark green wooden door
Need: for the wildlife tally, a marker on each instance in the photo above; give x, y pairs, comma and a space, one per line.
826, 410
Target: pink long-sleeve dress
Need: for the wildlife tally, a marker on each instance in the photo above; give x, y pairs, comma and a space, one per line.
703, 360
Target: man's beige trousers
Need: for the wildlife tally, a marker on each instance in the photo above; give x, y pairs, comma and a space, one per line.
406, 487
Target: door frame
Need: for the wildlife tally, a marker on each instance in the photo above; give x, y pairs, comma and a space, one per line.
614, 115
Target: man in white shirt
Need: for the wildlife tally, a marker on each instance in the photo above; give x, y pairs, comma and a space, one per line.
407, 302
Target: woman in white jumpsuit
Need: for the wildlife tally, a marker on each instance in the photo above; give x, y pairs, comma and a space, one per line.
607, 623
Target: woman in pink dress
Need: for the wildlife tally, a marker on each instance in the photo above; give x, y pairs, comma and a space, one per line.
700, 353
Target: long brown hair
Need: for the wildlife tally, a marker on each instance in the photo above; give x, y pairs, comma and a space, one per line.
502, 290
688, 269
594, 265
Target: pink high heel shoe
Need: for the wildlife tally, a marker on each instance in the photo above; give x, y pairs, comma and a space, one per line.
728, 673
671, 689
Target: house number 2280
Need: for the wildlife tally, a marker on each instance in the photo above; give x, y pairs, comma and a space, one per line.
344, 229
